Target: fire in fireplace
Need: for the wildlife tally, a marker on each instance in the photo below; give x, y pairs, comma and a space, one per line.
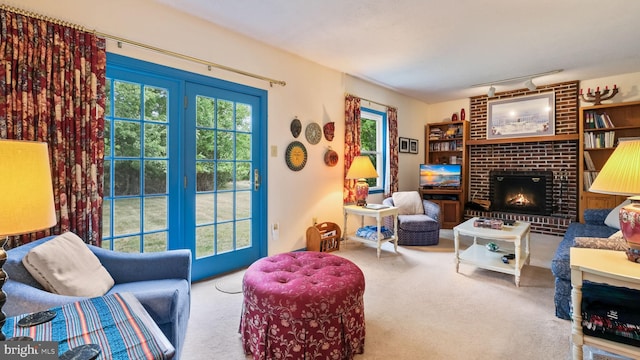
521, 192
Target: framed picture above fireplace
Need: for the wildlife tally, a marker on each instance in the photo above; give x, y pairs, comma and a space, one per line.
524, 116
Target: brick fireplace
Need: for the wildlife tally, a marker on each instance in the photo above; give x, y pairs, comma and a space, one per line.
557, 155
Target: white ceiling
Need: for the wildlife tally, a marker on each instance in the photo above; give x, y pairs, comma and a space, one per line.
436, 50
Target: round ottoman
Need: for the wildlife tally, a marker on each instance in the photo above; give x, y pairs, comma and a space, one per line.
303, 305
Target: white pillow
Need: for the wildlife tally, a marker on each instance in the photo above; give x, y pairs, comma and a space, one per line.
64, 265
408, 202
613, 219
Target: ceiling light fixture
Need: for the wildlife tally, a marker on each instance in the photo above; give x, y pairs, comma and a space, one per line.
529, 81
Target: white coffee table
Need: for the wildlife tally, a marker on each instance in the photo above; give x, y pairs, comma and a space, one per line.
480, 256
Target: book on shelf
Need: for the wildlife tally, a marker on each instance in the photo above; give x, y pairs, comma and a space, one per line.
588, 161
588, 178
599, 140
593, 120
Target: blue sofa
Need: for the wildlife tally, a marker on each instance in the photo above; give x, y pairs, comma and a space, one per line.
593, 226
160, 281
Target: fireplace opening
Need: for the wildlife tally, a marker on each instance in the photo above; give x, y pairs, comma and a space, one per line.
521, 192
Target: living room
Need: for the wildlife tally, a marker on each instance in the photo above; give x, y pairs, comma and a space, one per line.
313, 93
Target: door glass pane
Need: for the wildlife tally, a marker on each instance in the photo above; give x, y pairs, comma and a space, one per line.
126, 216
126, 177
243, 234
243, 117
155, 104
127, 139
205, 112
155, 177
155, 213
243, 204
127, 100
224, 145
225, 237
224, 176
225, 115
156, 242
204, 240
243, 147
205, 176
205, 209
243, 176
155, 140
205, 145
224, 206
129, 244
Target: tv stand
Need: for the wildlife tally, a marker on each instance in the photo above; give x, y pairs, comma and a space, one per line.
449, 201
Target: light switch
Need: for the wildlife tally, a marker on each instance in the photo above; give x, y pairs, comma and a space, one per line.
274, 150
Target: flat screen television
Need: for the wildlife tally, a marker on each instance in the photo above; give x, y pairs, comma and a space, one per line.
440, 176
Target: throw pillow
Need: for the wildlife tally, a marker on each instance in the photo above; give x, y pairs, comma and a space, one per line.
64, 265
613, 219
408, 202
614, 242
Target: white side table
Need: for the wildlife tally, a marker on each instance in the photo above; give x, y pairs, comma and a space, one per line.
378, 214
605, 267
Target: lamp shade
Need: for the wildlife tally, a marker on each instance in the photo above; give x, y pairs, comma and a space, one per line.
26, 193
361, 168
620, 175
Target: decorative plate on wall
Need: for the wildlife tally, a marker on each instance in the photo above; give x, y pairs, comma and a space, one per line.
331, 157
329, 129
296, 127
296, 156
313, 133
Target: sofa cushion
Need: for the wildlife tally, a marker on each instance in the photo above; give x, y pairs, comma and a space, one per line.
613, 219
408, 202
418, 223
613, 242
65, 266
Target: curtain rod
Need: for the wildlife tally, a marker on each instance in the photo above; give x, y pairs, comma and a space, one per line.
121, 40
371, 101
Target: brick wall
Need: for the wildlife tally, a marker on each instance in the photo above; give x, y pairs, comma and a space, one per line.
558, 156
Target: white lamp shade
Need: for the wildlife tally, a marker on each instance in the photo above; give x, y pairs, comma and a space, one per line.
26, 193
620, 175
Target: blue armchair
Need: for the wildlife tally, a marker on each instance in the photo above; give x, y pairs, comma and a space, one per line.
417, 229
160, 281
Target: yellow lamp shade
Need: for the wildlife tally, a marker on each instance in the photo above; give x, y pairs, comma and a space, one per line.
26, 193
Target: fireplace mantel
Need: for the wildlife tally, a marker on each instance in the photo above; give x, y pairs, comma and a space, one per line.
563, 137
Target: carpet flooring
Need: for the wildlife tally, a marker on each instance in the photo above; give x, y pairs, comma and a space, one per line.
416, 307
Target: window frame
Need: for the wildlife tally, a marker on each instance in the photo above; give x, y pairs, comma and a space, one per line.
382, 150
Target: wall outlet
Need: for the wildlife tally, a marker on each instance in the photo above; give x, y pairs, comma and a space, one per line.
314, 220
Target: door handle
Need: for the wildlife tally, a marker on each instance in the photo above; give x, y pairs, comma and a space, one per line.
256, 179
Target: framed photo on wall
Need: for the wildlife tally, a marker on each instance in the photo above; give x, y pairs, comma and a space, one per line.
413, 146
524, 116
404, 145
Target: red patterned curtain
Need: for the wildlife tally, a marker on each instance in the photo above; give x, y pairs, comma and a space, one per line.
52, 85
351, 143
392, 120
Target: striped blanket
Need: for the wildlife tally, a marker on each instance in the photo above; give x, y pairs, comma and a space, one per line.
108, 321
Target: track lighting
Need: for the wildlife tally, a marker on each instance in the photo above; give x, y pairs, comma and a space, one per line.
530, 85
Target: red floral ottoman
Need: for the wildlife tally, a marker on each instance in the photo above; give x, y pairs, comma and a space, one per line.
303, 305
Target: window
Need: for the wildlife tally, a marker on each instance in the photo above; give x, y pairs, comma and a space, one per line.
374, 145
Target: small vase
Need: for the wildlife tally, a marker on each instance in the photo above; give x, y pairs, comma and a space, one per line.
462, 114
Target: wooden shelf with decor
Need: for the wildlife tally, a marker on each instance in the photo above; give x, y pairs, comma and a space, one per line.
446, 143
600, 127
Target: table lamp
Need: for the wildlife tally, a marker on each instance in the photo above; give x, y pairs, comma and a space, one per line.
361, 168
26, 197
620, 175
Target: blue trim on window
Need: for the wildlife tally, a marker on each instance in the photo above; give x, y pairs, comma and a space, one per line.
385, 149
